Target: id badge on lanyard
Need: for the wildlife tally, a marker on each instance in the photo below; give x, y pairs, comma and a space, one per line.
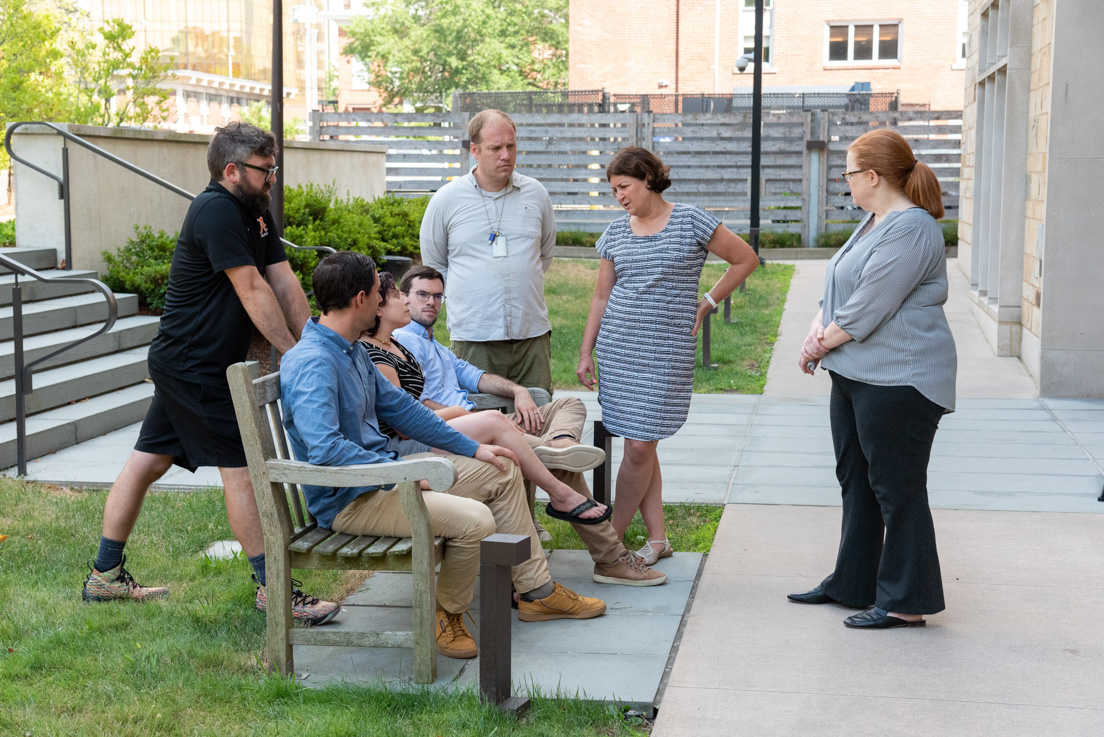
498, 245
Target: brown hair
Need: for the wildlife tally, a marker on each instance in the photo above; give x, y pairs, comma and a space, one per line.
420, 272
386, 286
889, 154
640, 163
482, 118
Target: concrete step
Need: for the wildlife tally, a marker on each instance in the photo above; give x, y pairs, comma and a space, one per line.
34, 290
59, 428
127, 333
64, 312
36, 258
60, 386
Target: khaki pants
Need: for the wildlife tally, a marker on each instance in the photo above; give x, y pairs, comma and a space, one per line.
527, 362
566, 417
483, 501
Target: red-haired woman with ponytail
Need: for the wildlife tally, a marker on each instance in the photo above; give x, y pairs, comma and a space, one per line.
882, 335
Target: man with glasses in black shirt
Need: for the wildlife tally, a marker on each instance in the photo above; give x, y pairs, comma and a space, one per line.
229, 273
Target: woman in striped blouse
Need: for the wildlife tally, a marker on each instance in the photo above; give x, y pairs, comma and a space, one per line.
882, 335
400, 366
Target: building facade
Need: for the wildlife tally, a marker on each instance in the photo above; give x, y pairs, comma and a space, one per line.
691, 47
1031, 225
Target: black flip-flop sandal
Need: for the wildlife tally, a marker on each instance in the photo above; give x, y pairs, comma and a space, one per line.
573, 515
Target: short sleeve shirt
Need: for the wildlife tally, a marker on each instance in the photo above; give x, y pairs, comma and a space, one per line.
205, 327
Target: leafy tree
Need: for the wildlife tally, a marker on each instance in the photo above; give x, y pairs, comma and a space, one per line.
106, 63
258, 113
422, 50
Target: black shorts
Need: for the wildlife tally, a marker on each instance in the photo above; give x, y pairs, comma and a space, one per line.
193, 423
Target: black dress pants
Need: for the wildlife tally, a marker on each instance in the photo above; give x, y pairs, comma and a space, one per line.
887, 556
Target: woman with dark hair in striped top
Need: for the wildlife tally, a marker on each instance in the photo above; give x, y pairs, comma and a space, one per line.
400, 366
882, 335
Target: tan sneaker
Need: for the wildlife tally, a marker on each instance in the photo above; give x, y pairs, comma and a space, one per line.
628, 570
562, 603
453, 640
575, 457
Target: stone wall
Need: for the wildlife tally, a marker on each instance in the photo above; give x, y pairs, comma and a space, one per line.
107, 201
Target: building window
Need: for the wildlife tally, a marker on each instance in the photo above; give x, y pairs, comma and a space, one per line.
767, 4
864, 43
747, 31
749, 48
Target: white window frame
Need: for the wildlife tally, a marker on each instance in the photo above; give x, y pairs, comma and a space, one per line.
850, 61
746, 28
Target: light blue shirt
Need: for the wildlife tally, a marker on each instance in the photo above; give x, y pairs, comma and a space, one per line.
448, 379
332, 397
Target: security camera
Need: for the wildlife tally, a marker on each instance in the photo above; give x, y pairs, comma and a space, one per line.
743, 61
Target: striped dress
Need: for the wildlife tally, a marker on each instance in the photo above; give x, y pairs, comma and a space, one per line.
645, 351
411, 378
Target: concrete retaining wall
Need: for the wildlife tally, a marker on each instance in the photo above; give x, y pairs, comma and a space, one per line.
107, 201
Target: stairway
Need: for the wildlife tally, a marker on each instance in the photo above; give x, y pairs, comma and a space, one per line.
95, 388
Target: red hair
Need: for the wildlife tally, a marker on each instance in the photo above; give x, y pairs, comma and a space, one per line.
889, 154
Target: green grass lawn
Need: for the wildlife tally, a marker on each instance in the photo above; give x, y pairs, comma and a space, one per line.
690, 528
189, 665
741, 349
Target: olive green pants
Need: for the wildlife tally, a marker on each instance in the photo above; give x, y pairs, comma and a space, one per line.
525, 362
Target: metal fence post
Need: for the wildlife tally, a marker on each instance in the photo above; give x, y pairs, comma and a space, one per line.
707, 358
20, 388
497, 554
602, 484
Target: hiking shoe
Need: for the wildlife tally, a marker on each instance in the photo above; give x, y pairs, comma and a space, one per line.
307, 611
628, 570
118, 584
453, 640
543, 535
562, 603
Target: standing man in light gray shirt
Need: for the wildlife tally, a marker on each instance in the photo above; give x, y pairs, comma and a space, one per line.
491, 233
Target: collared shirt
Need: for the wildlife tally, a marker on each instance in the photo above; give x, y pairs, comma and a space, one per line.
494, 292
333, 399
886, 289
448, 379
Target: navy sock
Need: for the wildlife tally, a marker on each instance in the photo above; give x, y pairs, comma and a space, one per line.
257, 561
110, 554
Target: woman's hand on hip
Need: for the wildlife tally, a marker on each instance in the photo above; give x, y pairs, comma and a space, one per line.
703, 309
588, 377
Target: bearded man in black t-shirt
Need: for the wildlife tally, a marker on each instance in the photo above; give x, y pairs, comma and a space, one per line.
229, 273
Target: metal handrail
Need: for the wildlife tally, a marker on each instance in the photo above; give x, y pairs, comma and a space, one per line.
23, 372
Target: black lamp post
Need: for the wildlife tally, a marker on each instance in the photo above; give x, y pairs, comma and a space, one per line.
277, 114
756, 125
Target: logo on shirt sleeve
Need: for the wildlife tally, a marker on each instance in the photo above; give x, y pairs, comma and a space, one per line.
264, 228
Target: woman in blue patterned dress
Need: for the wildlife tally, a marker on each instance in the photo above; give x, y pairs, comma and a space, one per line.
644, 321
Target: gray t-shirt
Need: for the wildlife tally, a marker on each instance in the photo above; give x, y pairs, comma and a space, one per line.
886, 289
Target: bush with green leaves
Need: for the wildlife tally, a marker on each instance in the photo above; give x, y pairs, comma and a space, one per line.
7, 234
142, 266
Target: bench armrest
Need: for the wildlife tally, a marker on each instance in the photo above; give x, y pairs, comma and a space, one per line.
506, 404
439, 472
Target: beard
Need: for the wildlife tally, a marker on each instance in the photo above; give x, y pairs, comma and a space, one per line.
422, 320
255, 201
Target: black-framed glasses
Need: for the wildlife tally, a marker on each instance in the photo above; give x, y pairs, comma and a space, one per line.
421, 296
846, 176
269, 173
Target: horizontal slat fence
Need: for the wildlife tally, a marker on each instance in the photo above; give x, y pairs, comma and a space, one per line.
709, 155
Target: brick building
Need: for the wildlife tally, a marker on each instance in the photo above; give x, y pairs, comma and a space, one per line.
1032, 173
691, 46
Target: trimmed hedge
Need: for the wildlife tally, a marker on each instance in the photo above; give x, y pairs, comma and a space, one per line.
313, 216
7, 234
837, 238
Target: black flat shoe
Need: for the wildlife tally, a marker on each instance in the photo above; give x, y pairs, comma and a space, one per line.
816, 596
879, 619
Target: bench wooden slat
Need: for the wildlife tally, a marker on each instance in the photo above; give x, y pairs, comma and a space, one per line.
348, 638
380, 547
334, 544
307, 542
402, 547
358, 546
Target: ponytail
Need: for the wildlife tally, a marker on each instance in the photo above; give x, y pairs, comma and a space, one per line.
922, 187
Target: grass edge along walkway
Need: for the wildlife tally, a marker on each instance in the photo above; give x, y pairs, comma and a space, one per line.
742, 350
190, 664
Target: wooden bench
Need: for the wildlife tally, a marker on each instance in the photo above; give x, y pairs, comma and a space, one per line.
293, 540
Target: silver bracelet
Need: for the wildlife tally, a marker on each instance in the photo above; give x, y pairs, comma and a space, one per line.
710, 300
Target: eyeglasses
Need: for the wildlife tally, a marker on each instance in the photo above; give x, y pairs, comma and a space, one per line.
846, 176
269, 173
426, 296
